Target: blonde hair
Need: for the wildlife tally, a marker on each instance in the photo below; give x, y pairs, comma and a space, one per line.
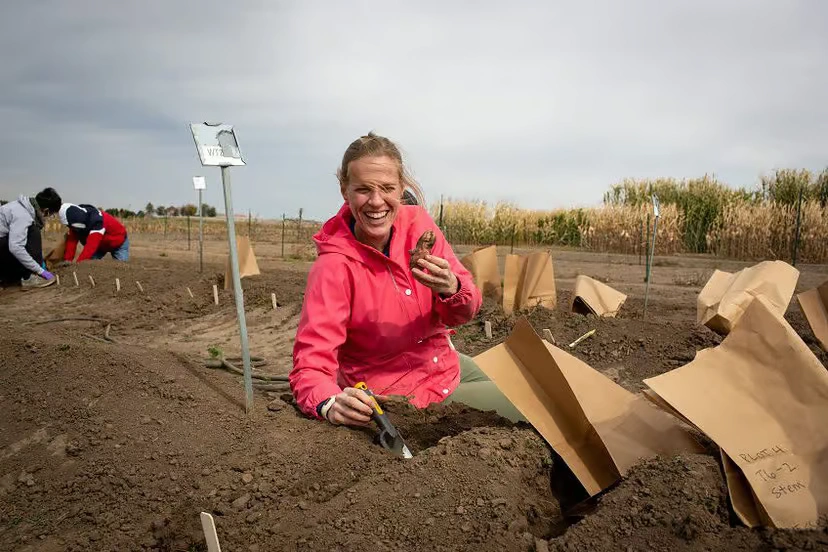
372, 145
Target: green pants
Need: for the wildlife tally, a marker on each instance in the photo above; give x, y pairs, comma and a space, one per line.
478, 391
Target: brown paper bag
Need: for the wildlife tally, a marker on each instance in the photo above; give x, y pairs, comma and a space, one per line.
247, 261
482, 263
56, 255
814, 304
596, 426
742, 499
590, 296
762, 396
528, 281
707, 304
726, 296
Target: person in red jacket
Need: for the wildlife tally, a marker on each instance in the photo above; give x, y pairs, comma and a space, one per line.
369, 316
98, 231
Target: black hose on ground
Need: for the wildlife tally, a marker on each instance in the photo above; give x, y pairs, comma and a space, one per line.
259, 361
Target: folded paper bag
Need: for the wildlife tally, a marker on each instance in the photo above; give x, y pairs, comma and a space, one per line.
762, 397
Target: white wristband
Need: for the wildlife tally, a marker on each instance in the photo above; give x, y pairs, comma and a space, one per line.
327, 406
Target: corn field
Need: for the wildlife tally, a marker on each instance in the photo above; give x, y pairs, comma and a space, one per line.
696, 216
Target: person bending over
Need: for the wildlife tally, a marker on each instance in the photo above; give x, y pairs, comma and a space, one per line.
98, 231
369, 316
21, 245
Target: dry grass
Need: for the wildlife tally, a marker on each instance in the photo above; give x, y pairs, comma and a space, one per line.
745, 230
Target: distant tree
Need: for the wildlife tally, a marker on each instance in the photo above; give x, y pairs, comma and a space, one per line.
3, 201
141, 214
209, 210
150, 208
172, 211
160, 210
188, 210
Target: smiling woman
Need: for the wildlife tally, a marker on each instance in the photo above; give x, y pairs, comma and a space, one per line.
379, 299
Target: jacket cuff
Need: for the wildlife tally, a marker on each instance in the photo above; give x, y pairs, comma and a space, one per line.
318, 396
459, 297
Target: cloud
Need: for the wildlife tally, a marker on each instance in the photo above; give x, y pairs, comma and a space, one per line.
541, 103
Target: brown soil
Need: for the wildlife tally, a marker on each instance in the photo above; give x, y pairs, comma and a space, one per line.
119, 446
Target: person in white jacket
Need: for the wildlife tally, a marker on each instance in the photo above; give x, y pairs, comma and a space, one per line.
21, 246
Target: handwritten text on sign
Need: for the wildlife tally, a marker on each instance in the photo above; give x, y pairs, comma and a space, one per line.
212, 151
777, 474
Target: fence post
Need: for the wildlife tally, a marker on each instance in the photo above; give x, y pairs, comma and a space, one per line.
512, 248
249, 225
188, 232
798, 225
299, 227
647, 251
440, 222
640, 237
283, 235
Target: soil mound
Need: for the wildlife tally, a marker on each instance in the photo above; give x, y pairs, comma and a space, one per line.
120, 449
675, 504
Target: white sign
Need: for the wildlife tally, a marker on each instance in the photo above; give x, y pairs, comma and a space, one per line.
199, 183
217, 145
656, 206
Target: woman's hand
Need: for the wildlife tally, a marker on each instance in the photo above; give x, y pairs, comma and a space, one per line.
351, 407
439, 277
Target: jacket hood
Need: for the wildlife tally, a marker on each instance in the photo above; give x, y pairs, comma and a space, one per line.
27, 204
335, 236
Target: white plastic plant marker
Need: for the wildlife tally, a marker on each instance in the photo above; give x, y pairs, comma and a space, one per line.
215, 294
117, 284
92, 280
487, 327
75, 276
191, 293
140, 287
208, 525
273, 299
57, 277
586, 335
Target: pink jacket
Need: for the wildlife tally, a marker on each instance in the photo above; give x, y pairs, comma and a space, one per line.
365, 317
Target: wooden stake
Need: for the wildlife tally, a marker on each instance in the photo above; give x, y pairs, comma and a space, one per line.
273, 300
92, 280
75, 276
140, 288
215, 294
487, 327
117, 284
547, 335
191, 293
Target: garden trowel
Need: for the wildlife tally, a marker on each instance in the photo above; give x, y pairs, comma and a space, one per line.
389, 437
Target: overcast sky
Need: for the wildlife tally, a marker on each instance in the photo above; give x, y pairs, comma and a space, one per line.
541, 103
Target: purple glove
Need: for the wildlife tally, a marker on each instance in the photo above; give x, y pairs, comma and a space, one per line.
47, 275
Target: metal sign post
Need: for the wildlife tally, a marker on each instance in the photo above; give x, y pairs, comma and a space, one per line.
217, 147
652, 253
200, 184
